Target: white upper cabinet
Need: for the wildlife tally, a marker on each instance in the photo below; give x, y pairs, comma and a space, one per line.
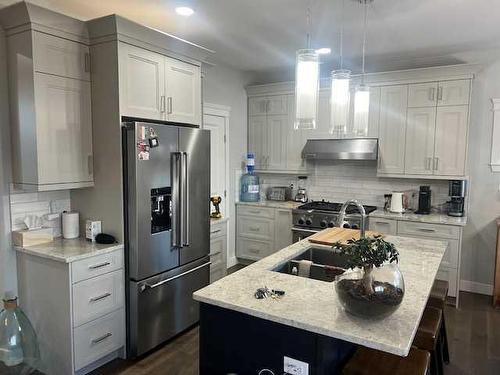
183, 92
257, 139
63, 129
374, 112
454, 92
451, 141
156, 87
392, 129
419, 150
422, 94
277, 105
142, 83
51, 112
276, 141
257, 105
62, 57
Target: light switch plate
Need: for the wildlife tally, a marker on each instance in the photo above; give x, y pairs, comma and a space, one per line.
295, 367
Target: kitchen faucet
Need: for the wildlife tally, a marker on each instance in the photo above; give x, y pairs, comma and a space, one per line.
361, 210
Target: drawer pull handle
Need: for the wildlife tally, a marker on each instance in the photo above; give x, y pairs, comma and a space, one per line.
152, 286
102, 338
215, 231
426, 230
254, 229
96, 266
381, 223
215, 253
254, 212
255, 251
95, 299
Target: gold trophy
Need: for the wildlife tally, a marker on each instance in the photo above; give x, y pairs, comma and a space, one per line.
216, 199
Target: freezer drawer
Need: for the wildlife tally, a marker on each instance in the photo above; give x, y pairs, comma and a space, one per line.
163, 306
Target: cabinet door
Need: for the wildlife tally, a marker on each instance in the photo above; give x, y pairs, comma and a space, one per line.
421, 123
422, 94
257, 105
61, 57
64, 129
374, 112
296, 139
454, 92
142, 83
183, 91
451, 141
277, 105
385, 226
392, 129
322, 130
283, 229
257, 139
276, 126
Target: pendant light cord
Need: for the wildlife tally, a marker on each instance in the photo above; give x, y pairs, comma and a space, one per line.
364, 42
342, 35
308, 23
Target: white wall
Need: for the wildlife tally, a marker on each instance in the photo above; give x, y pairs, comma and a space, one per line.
478, 251
226, 86
8, 278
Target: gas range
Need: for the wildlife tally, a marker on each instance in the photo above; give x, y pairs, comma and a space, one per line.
318, 215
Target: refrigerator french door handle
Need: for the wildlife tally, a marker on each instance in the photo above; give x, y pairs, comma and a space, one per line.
185, 199
152, 286
175, 159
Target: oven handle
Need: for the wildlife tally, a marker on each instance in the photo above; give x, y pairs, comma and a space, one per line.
304, 230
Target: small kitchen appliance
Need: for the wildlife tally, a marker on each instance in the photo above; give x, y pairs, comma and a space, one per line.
456, 191
424, 200
397, 202
279, 193
301, 195
92, 229
70, 225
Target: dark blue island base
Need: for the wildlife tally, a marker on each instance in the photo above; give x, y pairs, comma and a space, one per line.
233, 342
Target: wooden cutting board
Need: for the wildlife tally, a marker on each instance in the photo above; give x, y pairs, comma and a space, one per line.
331, 236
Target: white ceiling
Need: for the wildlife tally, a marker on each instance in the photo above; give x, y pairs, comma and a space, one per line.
263, 35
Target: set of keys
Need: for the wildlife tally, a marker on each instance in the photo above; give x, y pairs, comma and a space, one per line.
265, 292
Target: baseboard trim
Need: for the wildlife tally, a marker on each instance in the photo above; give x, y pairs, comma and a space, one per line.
232, 262
475, 287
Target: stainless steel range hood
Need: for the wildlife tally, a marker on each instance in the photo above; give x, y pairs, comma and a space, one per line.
341, 149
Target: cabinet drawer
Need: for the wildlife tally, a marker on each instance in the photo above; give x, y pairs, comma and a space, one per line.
386, 226
97, 296
215, 256
428, 230
262, 212
252, 249
253, 227
99, 338
95, 266
61, 57
450, 275
218, 230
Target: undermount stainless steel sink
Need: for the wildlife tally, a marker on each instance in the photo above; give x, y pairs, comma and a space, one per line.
326, 264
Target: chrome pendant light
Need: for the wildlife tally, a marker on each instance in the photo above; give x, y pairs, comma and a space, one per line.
362, 95
340, 94
306, 84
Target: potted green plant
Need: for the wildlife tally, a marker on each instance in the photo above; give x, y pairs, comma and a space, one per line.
374, 287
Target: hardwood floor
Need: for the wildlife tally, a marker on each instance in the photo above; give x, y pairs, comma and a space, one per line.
473, 330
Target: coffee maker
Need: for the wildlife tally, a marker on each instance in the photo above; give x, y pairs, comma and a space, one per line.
424, 200
456, 191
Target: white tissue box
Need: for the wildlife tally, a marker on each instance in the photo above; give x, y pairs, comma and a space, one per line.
32, 237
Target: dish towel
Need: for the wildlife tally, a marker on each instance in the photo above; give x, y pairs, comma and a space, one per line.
305, 268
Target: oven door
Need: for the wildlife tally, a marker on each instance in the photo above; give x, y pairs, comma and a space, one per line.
301, 233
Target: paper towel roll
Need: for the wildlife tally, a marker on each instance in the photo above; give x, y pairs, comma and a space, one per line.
70, 225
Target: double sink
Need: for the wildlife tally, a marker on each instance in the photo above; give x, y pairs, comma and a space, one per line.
326, 264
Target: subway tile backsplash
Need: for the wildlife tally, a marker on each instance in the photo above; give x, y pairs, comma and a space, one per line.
340, 181
39, 204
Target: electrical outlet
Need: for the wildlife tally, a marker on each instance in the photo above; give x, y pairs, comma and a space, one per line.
295, 367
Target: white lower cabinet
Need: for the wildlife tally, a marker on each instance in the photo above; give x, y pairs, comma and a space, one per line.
218, 251
449, 269
261, 231
76, 308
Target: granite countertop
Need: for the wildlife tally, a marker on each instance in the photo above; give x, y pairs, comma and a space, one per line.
273, 204
313, 305
433, 218
68, 251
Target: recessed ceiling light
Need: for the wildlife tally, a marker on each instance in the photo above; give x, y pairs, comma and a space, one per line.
184, 11
324, 51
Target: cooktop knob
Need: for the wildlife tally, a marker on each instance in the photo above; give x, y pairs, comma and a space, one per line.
323, 224
346, 225
355, 226
331, 224
309, 222
301, 221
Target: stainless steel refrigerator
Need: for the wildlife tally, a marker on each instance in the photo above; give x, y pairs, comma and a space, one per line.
166, 202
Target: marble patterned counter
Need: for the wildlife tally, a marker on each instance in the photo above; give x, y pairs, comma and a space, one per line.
313, 306
273, 204
433, 218
68, 251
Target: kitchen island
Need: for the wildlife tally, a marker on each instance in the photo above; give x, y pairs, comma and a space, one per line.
308, 323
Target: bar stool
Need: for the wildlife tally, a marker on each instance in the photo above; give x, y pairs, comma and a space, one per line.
370, 361
427, 338
437, 299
